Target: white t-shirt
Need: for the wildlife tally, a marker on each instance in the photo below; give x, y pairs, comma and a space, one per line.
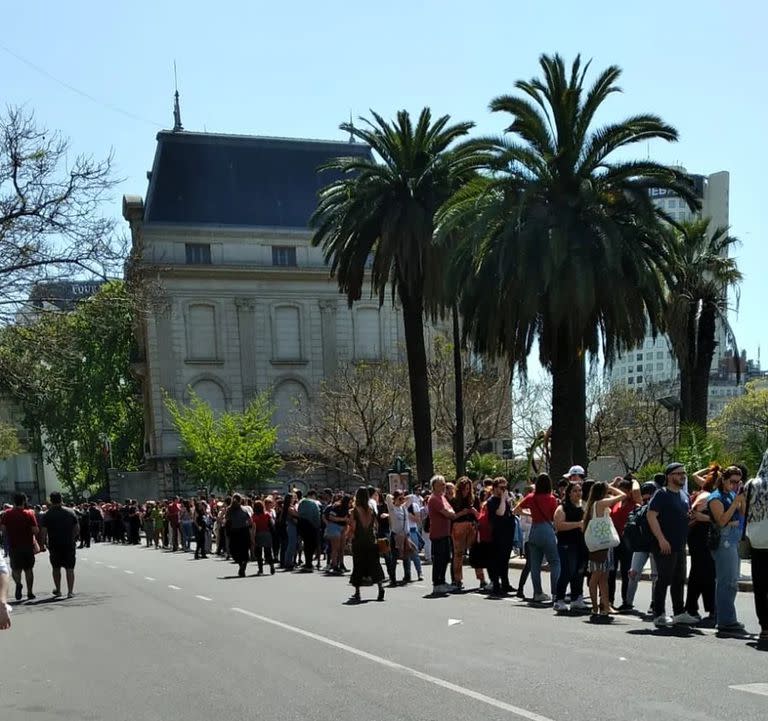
757, 517
3, 566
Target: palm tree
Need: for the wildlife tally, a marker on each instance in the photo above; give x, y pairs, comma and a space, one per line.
385, 209
698, 302
567, 248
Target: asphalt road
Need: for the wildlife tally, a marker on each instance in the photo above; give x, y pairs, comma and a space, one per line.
156, 635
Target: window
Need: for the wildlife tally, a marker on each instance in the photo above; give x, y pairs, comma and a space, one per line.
287, 333
367, 334
639, 356
631, 381
284, 255
659, 354
198, 253
201, 332
659, 366
639, 366
639, 379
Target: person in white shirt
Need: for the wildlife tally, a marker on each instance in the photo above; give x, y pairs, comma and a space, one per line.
5, 609
756, 531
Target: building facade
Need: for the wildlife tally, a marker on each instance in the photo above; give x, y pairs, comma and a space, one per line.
243, 302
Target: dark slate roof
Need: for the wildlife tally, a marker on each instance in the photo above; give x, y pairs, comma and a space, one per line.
240, 180
63, 294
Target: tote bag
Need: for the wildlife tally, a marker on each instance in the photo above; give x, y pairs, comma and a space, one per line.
601, 534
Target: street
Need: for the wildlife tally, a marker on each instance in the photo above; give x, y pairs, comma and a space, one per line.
156, 635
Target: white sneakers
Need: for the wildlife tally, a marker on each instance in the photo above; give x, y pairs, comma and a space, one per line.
662, 621
542, 598
561, 606
443, 588
580, 604
686, 619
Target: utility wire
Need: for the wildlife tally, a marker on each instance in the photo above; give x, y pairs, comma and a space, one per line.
72, 88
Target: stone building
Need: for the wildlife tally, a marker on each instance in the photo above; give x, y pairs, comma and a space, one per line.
245, 304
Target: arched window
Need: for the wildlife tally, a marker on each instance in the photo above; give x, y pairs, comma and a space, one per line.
212, 393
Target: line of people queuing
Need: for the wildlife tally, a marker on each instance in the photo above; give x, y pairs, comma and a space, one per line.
453, 524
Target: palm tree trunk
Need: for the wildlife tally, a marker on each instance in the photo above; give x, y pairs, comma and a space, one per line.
569, 409
413, 322
700, 379
687, 365
458, 375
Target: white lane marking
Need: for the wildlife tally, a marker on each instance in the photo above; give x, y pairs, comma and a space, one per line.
112, 567
204, 598
130, 573
454, 621
174, 588
83, 558
489, 700
758, 688
148, 578
621, 658
99, 563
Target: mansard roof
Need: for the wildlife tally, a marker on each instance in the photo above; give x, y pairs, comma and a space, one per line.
239, 180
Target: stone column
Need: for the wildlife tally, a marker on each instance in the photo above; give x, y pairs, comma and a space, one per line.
246, 329
328, 326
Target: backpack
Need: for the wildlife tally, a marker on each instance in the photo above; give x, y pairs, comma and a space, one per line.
637, 534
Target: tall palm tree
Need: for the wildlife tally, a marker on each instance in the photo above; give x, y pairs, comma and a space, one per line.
703, 275
567, 248
385, 209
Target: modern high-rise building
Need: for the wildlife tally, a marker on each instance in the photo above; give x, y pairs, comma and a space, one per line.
652, 362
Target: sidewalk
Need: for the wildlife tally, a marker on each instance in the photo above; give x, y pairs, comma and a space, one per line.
745, 582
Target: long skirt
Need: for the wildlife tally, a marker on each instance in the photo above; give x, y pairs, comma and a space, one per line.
239, 544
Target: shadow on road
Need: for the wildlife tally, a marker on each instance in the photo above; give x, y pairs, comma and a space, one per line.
50, 603
673, 631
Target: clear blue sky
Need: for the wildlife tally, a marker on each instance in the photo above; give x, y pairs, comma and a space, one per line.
298, 68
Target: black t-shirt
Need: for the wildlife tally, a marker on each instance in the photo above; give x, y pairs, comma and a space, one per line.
503, 526
59, 522
673, 516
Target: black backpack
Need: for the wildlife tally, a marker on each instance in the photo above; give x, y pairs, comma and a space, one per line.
637, 533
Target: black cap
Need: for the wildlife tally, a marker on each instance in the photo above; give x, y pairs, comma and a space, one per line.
672, 467
648, 489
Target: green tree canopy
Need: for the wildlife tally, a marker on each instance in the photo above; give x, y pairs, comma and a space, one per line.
229, 450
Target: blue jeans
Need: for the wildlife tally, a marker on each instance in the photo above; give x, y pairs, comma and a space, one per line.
727, 575
187, 534
416, 540
542, 543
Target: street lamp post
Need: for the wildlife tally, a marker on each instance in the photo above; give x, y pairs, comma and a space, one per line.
671, 403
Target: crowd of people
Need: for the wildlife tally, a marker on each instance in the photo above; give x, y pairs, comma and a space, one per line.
710, 518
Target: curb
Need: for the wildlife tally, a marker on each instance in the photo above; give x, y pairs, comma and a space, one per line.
519, 563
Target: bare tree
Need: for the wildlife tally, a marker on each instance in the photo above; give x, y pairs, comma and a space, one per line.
486, 391
50, 222
361, 420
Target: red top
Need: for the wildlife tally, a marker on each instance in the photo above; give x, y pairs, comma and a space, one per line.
18, 523
174, 510
484, 528
541, 505
439, 525
261, 521
620, 513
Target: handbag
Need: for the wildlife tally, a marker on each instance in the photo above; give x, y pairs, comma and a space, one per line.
601, 534
383, 545
745, 546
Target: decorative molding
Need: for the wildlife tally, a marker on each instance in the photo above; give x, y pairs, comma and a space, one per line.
287, 363
328, 305
246, 304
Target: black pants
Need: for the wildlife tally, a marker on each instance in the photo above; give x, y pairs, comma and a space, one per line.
441, 558
498, 569
760, 585
309, 537
622, 562
264, 554
671, 570
199, 542
571, 571
701, 580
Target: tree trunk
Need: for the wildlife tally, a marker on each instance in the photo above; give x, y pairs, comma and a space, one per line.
686, 366
458, 375
569, 410
413, 322
705, 348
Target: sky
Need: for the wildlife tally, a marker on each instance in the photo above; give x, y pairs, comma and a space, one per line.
102, 74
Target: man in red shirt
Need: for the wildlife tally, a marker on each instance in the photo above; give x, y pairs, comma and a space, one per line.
21, 528
173, 513
440, 515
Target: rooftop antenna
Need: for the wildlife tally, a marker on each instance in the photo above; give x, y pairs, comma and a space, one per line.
351, 128
177, 126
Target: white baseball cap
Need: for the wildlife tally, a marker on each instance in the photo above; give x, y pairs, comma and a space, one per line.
576, 471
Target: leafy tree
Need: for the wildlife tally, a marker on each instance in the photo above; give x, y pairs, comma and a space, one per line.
743, 425
484, 465
9, 441
227, 450
698, 300
384, 210
566, 247
50, 226
70, 375
360, 421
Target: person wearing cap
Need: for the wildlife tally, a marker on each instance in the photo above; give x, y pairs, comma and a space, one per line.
668, 522
576, 474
